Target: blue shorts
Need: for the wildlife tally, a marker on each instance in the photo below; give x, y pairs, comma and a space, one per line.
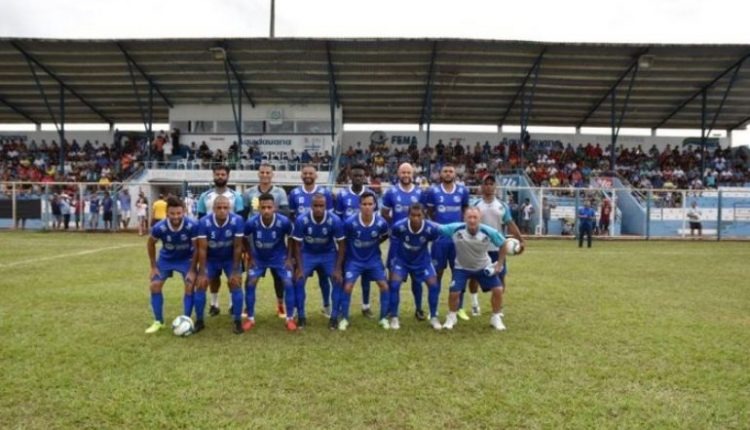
374, 271
325, 262
443, 253
460, 276
166, 268
419, 272
277, 267
494, 255
215, 268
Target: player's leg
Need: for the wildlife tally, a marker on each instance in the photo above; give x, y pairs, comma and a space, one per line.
214, 283
352, 272
426, 274
493, 284
253, 275
366, 311
157, 298
278, 288
325, 292
289, 295
439, 259
397, 274
235, 292
199, 303
588, 237
457, 285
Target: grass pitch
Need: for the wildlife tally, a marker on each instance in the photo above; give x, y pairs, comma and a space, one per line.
624, 335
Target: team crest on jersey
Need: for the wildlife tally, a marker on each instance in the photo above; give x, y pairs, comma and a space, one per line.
325, 231
301, 200
169, 238
309, 230
413, 199
422, 239
374, 233
227, 233
273, 235
183, 237
213, 235
456, 199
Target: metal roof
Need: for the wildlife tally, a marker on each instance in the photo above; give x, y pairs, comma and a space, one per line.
382, 80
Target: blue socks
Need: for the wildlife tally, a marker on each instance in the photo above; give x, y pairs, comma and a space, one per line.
237, 303
290, 299
384, 303
416, 290
187, 304
250, 300
157, 305
394, 290
199, 302
433, 298
299, 296
365, 281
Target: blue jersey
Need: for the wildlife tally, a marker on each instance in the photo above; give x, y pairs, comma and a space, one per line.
318, 238
176, 244
268, 242
586, 216
363, 241
300, 201
398, 200
448, 207
347, 202
94, 205
205, 203
220, 238
411, 245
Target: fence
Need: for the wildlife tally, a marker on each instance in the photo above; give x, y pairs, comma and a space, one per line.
722, 213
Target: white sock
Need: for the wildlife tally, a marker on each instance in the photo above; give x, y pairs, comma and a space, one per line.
451, 315
365, 306
497, 315
475, 299
215, 299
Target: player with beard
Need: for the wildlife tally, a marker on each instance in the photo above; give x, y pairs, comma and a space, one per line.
300, 201
346, 205
445, 204
396, 203
205, 207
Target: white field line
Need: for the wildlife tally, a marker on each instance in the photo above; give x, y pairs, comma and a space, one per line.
71, 254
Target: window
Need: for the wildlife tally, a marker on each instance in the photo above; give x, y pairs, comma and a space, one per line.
202, 126
252, 127
225, 127
183, 126
283, 128
314, 127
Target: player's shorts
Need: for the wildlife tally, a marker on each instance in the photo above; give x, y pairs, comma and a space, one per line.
443, 253
107, 216
215, 269
494, 255
374, 271
695, 225
167, 267
419, 272
125, 214
325, 263
460, 276
277, 267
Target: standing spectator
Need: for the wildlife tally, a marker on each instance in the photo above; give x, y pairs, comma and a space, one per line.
107, 205
141, 211
694, 215
94, 203
547, 207
123, 198
159, 210
65, 210
527, 210
78, 207
604, 217
56, 215
586, 217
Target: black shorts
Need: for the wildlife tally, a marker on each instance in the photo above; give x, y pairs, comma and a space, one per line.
107, 216
695, 225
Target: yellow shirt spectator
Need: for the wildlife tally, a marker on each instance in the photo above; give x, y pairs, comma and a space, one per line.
159, 209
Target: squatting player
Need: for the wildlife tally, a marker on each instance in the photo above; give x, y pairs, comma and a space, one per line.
219, 251
317, 234
472, 240
411, 257
178, 253
266, 248
364, 233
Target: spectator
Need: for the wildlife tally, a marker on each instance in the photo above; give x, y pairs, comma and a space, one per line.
694, 216
159, 210
527, 210
107, 207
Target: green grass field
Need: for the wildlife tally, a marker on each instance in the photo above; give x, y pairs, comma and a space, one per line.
625, 335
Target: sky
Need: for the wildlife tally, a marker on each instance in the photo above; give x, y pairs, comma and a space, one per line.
632, 21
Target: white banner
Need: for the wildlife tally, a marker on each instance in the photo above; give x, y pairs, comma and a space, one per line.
265, 143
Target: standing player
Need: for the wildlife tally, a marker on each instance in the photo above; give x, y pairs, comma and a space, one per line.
317, 234
266, 248
364, 233
411, 257
472, 241
346, 205
445, 204
396, 203
252, 205
219, 250
495, 214
178, 254
300, 201
205, 207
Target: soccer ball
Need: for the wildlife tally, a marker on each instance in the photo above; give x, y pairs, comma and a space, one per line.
513, 246
182, 326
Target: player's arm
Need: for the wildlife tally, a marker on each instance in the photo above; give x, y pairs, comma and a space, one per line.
385, 211
190, 278
202, 254
448, 229
294, 257
236, 277
498, 240
201, 206
338, 271
516, 232
283, 203
151, 248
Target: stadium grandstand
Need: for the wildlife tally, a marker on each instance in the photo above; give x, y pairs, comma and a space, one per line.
285, 102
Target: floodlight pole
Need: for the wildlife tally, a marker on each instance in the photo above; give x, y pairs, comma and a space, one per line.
61, 130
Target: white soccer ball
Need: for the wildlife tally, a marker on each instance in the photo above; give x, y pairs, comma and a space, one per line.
512, 246
182, 326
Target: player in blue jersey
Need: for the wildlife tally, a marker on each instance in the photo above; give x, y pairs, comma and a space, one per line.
497, 215
219, 251
317, 234
396, 203
266, 248
177, 234
446, 203
411, 257
364, 233
472, 240
300, 201
205, 207
346, 204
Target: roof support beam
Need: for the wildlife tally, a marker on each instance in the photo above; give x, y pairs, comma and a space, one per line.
18, 110
333, 92
533, 69
632, 68
426, 116
30, 58
739, 124
233, 69
736, 66
148, 78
